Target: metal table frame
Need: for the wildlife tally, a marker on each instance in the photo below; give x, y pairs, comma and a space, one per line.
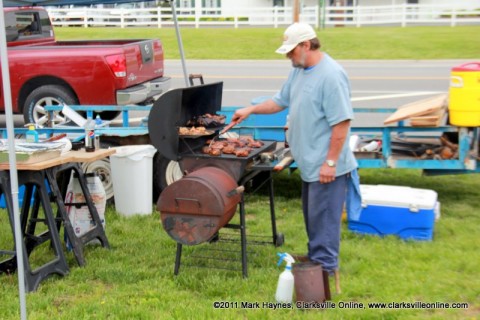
39, 179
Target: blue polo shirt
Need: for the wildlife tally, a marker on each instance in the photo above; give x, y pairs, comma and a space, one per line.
317, 98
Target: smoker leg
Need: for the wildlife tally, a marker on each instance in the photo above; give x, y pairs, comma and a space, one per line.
272, 209
243, 235
178, 256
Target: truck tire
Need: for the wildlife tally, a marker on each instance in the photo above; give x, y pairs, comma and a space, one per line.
103, 170
34, 108
165, 172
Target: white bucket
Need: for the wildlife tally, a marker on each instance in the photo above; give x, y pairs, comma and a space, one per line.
132, 179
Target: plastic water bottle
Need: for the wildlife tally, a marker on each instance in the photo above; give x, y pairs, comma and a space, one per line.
286, 282
90, 135
98, 120
98, 124
32, 134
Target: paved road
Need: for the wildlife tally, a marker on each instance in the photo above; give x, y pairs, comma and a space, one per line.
375, 84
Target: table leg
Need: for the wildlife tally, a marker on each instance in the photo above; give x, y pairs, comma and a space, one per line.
58, 265
97, 232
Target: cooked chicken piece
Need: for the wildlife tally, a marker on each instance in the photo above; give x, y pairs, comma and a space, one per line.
228, 149
242, 152
183, 130
217, 145
255, 144
215, 152
192, 131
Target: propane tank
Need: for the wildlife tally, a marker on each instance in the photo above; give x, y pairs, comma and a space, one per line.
285, 280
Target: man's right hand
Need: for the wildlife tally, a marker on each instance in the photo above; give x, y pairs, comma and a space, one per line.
242, 114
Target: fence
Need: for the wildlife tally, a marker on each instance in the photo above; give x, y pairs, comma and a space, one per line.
357, 16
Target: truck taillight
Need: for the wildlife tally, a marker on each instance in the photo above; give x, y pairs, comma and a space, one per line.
158, 51
118, 64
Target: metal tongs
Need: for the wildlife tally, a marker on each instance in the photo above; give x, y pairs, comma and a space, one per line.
225, 129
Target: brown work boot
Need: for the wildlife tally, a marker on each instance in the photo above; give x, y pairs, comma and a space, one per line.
336, 277
336, 274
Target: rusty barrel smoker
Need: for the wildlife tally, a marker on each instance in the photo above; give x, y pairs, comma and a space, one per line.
195, 207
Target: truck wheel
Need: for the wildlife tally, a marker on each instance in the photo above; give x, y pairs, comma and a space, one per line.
165, 172
103, 170
34, 108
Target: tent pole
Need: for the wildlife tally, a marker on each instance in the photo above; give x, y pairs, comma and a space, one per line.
13, 163
180, 43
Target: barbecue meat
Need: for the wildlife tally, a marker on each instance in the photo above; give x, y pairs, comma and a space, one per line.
242, 152
255, 144
207, 120
215, 152
217, 145
229, 149
193, 131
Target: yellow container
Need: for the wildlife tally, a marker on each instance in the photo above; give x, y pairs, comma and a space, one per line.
464, 95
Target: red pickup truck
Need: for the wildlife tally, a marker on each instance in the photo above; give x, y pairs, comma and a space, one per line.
104, 72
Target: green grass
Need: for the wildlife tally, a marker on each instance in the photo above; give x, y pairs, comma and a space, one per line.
134, 279
342, 43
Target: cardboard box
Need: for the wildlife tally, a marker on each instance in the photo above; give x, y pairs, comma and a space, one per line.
408, 213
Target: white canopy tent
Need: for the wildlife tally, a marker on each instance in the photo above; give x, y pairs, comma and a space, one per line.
10, 122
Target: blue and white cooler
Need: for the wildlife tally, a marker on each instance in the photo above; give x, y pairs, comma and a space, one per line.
408, 213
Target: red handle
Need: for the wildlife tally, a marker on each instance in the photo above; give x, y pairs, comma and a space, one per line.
228, 127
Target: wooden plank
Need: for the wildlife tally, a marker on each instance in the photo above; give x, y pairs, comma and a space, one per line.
434, 120
430, 116
418, 108
71, 156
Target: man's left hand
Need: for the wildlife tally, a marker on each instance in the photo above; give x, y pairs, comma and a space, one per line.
327, 173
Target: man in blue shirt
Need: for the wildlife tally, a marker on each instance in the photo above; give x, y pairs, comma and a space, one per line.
317, 93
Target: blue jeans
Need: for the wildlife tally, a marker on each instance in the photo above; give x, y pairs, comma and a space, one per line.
322, 212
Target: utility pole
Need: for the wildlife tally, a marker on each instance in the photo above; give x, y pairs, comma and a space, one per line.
296, 10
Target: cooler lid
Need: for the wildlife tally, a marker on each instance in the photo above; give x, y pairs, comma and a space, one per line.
468, 67
398, 196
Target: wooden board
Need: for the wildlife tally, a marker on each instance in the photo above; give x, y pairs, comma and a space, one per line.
433, 119
418, 108
71, 156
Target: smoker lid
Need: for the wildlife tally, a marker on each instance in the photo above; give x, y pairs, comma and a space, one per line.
174, 108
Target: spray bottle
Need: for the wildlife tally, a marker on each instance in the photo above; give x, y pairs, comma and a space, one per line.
32, 134
285, 280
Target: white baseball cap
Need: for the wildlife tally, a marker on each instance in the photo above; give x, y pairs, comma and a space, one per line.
295, 34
